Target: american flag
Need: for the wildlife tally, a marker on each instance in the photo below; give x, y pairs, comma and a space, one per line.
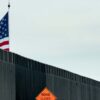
4, 33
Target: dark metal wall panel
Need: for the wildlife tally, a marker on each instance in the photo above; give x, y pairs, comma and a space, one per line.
7, 81
24, 79
29, 82
67, 89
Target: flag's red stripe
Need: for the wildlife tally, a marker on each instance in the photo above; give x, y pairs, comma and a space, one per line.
7, 49
4, 43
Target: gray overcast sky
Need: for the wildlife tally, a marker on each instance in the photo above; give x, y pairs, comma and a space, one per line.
63, 33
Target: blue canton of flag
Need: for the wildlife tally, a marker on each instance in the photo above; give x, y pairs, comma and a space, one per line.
4, 33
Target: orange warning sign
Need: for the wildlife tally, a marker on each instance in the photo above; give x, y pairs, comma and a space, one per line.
46, 95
